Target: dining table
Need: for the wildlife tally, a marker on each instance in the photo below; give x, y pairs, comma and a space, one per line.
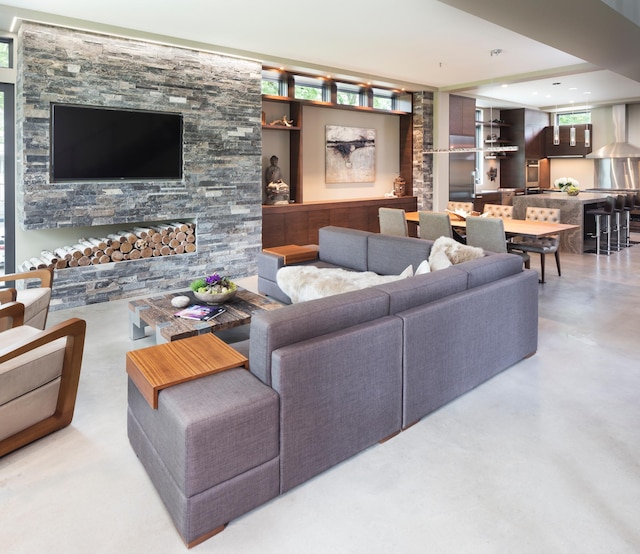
512, 227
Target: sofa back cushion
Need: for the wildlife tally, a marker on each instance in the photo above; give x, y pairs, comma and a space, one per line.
344, 247
389, 255
274, 329
423, 289
482, 271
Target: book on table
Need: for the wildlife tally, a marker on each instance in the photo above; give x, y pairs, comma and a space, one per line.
200, 312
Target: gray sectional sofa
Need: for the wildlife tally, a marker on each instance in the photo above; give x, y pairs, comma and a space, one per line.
331, 377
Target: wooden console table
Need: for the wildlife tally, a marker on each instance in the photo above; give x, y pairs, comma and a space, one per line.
158, 367
299, 223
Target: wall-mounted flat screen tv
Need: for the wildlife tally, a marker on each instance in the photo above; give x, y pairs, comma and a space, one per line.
94, 143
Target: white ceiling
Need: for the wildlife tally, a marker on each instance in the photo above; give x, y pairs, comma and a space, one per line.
584, 45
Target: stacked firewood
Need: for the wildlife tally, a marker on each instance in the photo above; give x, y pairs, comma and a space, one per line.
139, 242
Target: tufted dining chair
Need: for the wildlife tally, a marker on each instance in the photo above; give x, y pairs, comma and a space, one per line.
39, 374
393, 221
452, 206
541, 245
498, 210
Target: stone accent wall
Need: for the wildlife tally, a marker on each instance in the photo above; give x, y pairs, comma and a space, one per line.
422, 140
219, 97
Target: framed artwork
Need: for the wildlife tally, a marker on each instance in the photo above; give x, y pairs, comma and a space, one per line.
350, 155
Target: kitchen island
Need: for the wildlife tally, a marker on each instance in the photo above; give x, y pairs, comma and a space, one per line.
572, 210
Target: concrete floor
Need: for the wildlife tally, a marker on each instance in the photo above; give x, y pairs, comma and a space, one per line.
543, 458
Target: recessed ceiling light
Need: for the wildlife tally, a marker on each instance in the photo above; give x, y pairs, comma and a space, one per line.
505, 85
535, 93
573, 88
587, 92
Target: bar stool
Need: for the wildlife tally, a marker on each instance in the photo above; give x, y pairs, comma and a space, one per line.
605, 211
621, 222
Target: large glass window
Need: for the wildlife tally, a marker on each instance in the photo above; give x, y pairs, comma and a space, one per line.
383, 99
6, 179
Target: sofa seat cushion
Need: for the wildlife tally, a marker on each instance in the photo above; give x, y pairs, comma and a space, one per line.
304, 283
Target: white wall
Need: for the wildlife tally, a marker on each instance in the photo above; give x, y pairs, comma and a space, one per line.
313, 153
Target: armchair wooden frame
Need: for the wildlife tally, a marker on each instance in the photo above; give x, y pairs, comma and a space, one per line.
74, 330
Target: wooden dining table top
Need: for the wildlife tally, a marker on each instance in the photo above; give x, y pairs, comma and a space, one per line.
512, 226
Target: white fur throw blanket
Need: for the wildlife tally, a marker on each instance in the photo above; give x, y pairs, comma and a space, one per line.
307, 282
446, 251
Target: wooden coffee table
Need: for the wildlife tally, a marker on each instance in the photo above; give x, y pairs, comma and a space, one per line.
157, 312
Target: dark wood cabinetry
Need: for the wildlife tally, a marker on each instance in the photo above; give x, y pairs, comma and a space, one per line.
299, 223
462, 116
526, 131
564, 149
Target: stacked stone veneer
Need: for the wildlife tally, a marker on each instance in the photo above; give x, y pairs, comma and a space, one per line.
423, 140
220, 100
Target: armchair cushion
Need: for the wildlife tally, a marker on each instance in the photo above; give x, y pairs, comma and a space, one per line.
31, 370
36, 305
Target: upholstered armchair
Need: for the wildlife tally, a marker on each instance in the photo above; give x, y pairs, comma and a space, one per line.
39, 374
35, 300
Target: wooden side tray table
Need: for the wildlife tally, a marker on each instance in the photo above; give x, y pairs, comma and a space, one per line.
292, 253
158, 367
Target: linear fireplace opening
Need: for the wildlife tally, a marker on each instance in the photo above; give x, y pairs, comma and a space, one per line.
114, 243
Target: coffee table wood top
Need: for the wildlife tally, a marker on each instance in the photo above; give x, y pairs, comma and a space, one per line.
158, 313
158, 367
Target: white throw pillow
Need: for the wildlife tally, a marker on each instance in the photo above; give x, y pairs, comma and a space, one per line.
455, 251
424, 267
438, 260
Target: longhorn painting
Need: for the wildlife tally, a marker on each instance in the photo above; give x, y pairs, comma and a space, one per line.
350, 155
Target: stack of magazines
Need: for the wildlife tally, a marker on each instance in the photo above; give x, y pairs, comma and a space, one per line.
200, 312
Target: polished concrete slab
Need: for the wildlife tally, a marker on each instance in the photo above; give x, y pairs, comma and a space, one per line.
545, 457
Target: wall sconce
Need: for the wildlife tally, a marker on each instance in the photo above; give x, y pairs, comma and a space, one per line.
572, 136
587, 137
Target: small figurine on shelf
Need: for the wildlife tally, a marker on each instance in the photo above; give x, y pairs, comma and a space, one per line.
277, 189
492, 173
284, 121
399, 185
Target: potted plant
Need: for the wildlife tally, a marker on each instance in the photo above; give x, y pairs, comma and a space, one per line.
213, 289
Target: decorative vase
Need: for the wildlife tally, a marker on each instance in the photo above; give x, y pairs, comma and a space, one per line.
210, 298
573, 192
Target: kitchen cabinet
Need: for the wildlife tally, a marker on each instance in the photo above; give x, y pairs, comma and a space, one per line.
462, 116
564, 149
526, 132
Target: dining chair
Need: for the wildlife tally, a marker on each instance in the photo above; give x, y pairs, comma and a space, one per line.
488, 234
452, 206
542, 245
434, 225
393, 221
498, 210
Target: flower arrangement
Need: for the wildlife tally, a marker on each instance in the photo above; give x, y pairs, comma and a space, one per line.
567, 184
213, 284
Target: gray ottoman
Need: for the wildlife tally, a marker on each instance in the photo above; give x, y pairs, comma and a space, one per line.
211, 448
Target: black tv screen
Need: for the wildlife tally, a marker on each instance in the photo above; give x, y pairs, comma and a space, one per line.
92, 143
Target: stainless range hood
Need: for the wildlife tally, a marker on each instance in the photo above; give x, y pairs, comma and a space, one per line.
620, 147
617, 164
